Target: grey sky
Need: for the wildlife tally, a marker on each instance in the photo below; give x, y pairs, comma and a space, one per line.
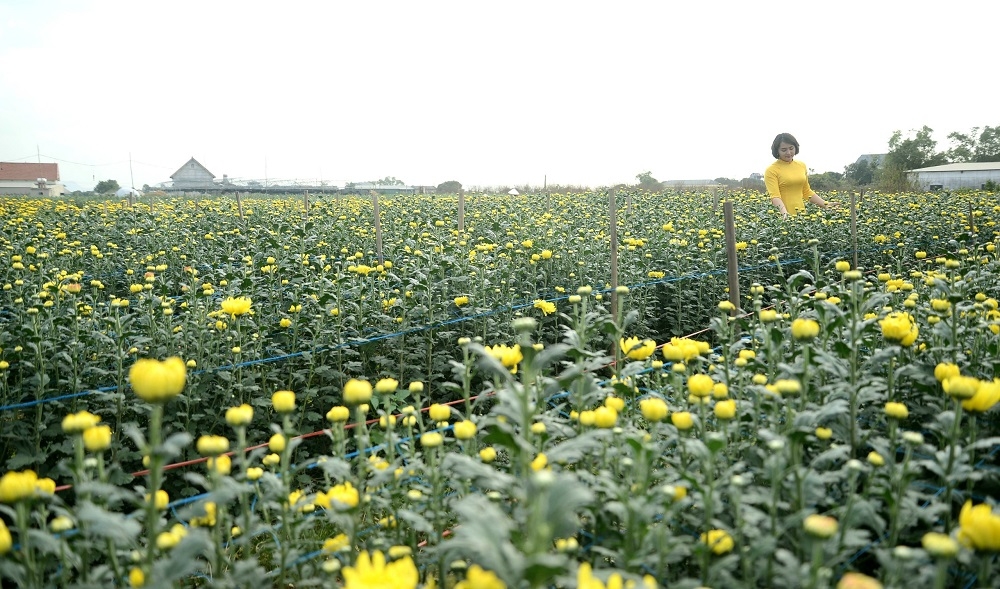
483, 93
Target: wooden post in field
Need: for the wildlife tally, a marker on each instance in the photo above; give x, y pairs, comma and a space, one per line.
854, 229
461, 210
613, 230
861, 196
715, 200
731, 261
378, 227
305, 206
239, 205
628, 203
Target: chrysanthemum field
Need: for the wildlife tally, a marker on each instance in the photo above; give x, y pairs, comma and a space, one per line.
212, 393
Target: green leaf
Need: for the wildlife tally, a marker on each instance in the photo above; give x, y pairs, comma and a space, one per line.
484, 537
116, 527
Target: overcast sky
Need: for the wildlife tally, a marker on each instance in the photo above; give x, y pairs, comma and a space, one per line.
486, 93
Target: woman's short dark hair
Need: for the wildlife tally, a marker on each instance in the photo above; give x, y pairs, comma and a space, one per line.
783, 138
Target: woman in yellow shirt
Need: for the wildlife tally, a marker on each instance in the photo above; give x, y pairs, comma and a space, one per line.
787, 180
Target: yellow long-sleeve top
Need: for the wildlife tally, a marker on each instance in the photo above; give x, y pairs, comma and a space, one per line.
788, 181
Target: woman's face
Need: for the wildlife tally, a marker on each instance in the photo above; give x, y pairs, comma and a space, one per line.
786, 152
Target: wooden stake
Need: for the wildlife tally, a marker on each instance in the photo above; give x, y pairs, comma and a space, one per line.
715, 200
613, 222
378, 227
854, 229
239, 205
305, 205
733, 265
461, 210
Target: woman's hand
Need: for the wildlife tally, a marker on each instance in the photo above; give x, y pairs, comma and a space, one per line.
780, 204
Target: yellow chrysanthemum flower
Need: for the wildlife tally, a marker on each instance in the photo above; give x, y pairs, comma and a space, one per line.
979, 527
637, 349
236, 306
718, 540
372, 571
478, 578
157, 382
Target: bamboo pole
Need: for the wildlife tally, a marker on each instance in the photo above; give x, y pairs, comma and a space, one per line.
733, 266
461, 210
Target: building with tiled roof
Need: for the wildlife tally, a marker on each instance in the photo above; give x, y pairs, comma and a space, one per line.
30, 179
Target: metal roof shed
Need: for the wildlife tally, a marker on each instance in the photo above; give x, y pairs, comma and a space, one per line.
970, 175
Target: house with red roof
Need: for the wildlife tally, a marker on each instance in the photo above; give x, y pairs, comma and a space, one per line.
29, 179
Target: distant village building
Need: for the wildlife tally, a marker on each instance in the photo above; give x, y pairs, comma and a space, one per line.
30, 179
193, 176
196, 178
366, 187
972, 175
703, 183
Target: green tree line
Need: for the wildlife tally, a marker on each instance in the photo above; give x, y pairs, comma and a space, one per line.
915, 150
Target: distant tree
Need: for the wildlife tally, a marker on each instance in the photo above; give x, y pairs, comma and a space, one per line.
914, 152
146, 188
449, 187
753, 182
106, 187
390, 181
647, 181
964, 146
988, 148
727, 182
975, 146
911, 153
861, 172
825, 181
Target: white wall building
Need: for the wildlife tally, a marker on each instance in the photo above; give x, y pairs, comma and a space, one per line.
30, 179
973, 175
